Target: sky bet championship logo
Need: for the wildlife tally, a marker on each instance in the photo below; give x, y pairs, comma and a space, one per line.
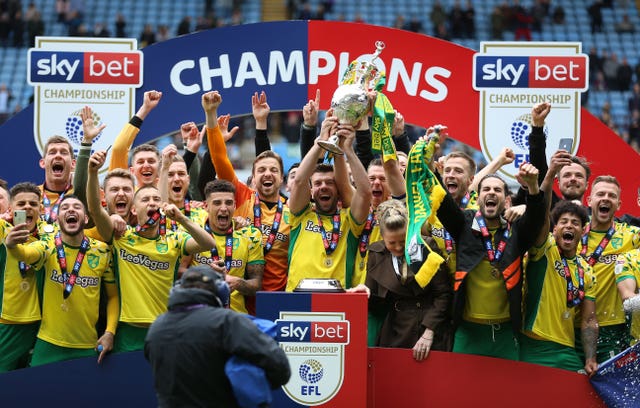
514, 77
71, 73
530, 72
315, 344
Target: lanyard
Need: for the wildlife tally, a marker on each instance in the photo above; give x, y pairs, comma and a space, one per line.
332, 244
494, 255
448, 240
157, 215
593, 258
366, 233
51, 213
257, 221
574, 295
228, 247
187, 213
70, 279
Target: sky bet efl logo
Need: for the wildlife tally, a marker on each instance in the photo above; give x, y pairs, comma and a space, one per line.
564, 72
315, 345
68, 67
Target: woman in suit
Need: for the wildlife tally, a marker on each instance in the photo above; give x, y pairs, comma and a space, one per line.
416, 317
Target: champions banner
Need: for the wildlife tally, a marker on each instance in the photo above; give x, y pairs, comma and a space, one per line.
428, 80
617, 381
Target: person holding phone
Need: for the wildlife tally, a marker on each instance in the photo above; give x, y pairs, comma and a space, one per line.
19, 302
573, 179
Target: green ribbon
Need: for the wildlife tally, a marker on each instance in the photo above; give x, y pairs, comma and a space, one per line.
424, 195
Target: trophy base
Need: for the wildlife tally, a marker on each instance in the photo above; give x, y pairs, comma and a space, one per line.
320, 285
331, 147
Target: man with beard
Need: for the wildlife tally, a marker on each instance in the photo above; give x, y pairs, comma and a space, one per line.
560, 286
58, 162
488, 278
324, 236
146, 257
262, 205
605, 240
572, 179
238, 254
19, 302
75, 269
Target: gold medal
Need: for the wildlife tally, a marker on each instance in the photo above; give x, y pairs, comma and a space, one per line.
328, 262
566, 315
64, 306
48, 228
24, 286
496, 273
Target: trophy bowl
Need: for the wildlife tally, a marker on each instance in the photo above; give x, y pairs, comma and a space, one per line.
350, 104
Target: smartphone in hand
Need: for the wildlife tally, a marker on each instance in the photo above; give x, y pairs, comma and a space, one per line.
19, 217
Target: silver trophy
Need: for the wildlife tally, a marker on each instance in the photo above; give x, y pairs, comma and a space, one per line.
350, 102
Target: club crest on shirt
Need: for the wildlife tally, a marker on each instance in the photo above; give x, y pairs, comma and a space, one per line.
616, 242
162, 247
93, 261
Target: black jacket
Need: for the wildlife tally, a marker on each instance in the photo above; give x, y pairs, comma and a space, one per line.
470, 251
189, 345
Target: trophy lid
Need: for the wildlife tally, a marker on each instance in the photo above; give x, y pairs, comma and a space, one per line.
321, 285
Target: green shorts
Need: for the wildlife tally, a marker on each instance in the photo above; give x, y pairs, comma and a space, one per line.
16, 342
129, 338
46, 353
611, 340
491, 340
549, 353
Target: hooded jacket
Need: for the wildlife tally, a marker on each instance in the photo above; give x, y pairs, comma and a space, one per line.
189, 345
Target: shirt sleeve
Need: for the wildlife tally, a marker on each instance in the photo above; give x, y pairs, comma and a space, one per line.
219, 158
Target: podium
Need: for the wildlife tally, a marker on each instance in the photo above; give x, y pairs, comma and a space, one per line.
325, 337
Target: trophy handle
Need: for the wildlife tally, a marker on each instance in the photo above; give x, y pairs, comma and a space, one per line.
331, 145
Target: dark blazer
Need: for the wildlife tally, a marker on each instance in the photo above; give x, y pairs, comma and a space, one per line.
410, 308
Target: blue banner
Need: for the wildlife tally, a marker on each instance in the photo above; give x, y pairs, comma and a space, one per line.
616, 381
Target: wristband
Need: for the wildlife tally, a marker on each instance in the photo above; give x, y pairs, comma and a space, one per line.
304, 125
84, 144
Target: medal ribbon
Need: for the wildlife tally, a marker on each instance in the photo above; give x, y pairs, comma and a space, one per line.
574, 295
228, 247
51, 213
494, 255
257, 221
366, 233
187, 213
69, 279
330, 245
157, 215
593, 258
